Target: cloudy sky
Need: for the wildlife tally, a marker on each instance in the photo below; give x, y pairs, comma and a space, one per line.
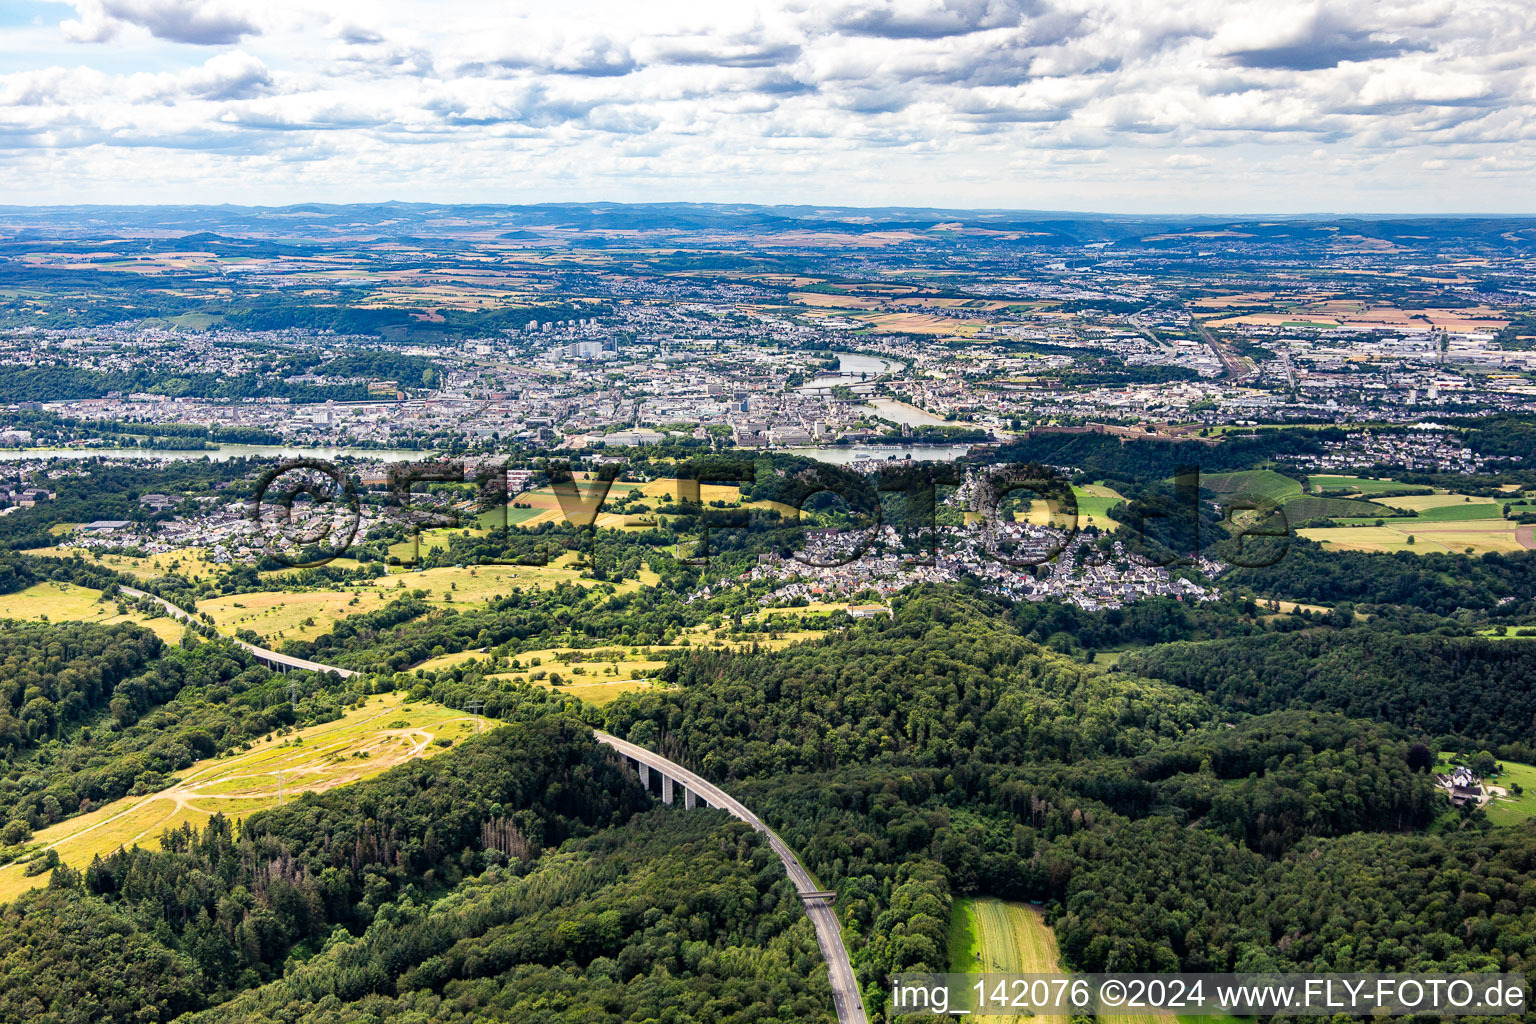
1117, 105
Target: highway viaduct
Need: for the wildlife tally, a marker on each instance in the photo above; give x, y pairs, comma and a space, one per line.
846, 999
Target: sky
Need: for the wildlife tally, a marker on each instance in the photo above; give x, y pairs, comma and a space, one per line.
1123, 106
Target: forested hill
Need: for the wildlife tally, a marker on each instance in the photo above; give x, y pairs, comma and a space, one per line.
1195, 821
147, 935
1478, 690
942, 684
938, 752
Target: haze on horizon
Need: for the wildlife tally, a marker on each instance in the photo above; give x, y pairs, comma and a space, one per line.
1090, 105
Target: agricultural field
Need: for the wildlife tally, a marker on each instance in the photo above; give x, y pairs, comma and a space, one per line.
1481, 536
1298, 506
386, 731
989, 935
1093, 504
1361, 485
544, 504
64, 602
1447, 507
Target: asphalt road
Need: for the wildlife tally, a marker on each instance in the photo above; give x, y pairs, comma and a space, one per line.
270, 657
829, 933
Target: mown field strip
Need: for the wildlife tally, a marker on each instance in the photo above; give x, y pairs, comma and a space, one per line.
1004, 938
385, 732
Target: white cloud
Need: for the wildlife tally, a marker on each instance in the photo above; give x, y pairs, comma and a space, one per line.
886, 100
201, 22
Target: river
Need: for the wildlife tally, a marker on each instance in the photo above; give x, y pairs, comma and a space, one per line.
852, 368
901, 412
222, 453
873, 454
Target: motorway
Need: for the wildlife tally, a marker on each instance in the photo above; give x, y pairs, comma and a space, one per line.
829, 934
285, 661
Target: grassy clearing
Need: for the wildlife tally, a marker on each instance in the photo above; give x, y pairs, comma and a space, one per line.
598, 675
65, 602
1510, 809
1361, 484
1094, 502
305, 614
1523, 632
192, 563
407, 552
989, 935
291, 615
383, 733
964, 940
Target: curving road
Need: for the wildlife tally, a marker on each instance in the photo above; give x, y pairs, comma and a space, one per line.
262, 654
829, 934
818, 907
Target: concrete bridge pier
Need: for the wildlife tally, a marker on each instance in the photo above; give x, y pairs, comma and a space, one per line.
669, 786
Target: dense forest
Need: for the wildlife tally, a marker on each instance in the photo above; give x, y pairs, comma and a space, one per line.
511, 874
1463, 690
52, 676
1182, 821
939, 753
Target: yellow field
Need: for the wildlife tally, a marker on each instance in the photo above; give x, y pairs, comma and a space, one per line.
192, 563
292, 615
598, 675
1420, 502
385, 732
998, 937
66, 602
303, 615
1014, 938
1481, 535
800, 611
546, 508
